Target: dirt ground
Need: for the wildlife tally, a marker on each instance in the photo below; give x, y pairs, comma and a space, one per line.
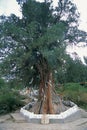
15, 121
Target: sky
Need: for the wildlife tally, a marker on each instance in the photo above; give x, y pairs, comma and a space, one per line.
11, 6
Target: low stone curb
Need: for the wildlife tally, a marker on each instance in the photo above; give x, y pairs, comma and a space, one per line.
69, 115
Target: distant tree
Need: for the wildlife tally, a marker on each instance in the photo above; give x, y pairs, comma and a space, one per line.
76, 71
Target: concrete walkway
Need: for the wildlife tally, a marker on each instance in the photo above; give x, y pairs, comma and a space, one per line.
15, 121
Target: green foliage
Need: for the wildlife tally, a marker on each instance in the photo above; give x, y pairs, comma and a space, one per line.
76, 71
74, 92
2, 83
75, 87
45, 30
36, 11
42, 32
9, 100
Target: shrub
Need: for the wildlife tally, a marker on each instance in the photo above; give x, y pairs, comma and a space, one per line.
76, 93
9, 101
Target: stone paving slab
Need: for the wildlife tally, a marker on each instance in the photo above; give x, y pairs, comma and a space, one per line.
4, 118
81, 121
17, 117
21, 124
83, 113
31, 126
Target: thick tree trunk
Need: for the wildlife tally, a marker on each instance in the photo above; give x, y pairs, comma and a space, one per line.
49, 102
45, 93
46, 86
46, 98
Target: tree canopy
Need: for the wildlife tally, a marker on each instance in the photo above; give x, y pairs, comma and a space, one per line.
42, 31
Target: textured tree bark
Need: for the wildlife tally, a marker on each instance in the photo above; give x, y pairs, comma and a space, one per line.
45, 90
47, 102
46, 86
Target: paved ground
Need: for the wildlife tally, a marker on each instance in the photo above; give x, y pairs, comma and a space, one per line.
15, 121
